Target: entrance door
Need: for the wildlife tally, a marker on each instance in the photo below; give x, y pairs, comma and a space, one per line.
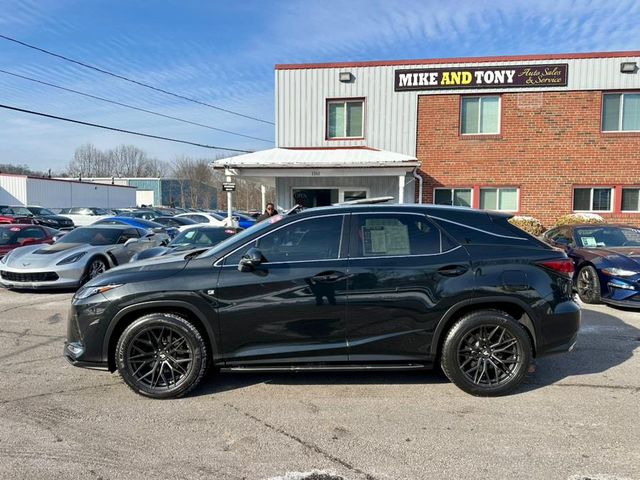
291, 307
316, 197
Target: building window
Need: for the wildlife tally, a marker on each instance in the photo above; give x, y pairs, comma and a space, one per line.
345, 119
499, 199
592, 199
631, 199
352, 195
480, 115
621, 112
459, 197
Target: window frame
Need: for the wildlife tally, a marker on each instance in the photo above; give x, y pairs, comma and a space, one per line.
480, 97
612, 201
452, 190
497, 189
622, 93
329, 101
630, 187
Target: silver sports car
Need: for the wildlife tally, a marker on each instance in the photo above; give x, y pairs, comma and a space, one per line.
74, 259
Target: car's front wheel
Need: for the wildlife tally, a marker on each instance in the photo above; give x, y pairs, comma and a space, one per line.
161, 355
95, 267
588, 285
486, 353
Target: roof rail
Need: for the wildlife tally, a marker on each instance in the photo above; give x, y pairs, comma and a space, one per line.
366, 201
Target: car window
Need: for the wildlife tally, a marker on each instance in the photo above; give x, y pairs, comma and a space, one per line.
608, 237
40, 211
311, 239
198, 218
395, 235
128, 234
33, 232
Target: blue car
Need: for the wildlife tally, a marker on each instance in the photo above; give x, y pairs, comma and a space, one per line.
244, 221
139, 223
607, 261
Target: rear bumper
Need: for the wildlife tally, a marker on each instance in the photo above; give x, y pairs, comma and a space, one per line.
560, 326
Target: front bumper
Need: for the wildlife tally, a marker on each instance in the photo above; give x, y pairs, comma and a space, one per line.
622, 292
69, 276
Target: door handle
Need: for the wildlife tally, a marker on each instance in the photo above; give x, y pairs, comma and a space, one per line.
328, 277
452, 270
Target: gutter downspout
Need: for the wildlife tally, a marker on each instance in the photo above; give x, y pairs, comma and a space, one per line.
419, 179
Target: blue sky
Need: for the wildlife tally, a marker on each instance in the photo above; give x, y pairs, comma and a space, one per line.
224, 52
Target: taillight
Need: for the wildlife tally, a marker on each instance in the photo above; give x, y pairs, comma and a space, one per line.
563, 266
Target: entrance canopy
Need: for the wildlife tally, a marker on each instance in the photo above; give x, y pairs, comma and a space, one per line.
316, 176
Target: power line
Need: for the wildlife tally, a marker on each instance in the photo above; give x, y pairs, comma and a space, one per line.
159, 137
132, 106
122, 77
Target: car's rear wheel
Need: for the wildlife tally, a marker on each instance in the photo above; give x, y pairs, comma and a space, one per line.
588, 285
161, 355
486, 353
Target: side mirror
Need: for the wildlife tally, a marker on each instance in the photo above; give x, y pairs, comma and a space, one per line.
250, 260
131, 241
562, 242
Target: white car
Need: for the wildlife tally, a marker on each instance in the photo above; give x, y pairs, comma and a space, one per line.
211, 218
83, 216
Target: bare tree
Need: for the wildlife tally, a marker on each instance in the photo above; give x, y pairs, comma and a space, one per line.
122, 161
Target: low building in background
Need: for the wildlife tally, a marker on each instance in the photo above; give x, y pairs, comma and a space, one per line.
167, 191
63, 193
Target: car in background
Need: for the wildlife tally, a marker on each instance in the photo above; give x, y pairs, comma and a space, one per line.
176, 222
212, 218
15, 236
39, 215
607, 261
8, 219
79, 256
194, 237
244, 221
144, 214
384, 287
164, 234
83, 216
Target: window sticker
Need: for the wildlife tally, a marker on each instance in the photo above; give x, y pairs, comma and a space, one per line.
385, 239
589, 241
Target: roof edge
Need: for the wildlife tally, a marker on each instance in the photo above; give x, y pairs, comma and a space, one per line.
431, 61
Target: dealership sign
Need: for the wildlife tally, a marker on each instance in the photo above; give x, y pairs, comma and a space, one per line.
517, 76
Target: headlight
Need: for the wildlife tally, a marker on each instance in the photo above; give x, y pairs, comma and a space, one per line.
619, 272
72, 258
86, 292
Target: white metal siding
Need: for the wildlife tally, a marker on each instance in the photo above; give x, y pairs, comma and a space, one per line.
13, 190
390, 117
378, 187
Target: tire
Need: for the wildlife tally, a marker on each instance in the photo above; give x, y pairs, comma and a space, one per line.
588, 285
486, 353
94, 268
161, 355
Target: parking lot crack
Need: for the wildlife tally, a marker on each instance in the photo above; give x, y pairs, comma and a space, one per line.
311, 446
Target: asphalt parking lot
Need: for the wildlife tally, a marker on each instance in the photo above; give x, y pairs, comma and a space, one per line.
577, 417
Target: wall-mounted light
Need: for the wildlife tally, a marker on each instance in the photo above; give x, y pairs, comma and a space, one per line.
628, 67
346, 77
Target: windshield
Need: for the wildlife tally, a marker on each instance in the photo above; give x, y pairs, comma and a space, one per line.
40, 211
608, 237
201, 237
100, 211
8, 236
92, 236
239, 237
19, 211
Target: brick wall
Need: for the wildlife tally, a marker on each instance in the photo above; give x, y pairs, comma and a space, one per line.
548, 143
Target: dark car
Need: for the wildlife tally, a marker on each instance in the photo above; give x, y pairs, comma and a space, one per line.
607, 261
371, 286
14, 236
39, 215
170, 232
195, 237
176, 222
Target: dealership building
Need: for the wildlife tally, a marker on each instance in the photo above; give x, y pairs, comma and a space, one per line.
539, 135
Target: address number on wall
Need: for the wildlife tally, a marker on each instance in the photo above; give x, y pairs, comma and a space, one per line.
315, 173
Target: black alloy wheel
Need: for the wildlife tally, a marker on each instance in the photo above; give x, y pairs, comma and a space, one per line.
161, 355
486, 353
95, 268
588, 285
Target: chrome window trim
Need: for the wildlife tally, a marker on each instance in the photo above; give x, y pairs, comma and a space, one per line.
478, 229
216, 263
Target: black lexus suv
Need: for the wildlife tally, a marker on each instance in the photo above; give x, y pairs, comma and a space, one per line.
337, 288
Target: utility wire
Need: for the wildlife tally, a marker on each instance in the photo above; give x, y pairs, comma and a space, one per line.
131, 106
122, 77
159, 137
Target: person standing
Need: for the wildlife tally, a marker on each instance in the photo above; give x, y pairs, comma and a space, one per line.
270, 211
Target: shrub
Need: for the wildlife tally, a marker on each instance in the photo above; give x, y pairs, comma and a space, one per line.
574, 218
530, 225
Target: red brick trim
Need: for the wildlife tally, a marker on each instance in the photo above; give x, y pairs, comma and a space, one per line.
431, 61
